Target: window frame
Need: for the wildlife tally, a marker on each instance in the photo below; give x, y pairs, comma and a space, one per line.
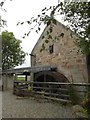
51, 49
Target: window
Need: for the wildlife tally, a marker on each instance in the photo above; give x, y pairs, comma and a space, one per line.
51, 49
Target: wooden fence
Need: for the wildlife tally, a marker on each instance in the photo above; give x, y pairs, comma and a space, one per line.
52, 90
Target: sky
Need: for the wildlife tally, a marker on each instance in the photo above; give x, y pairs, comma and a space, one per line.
23, 10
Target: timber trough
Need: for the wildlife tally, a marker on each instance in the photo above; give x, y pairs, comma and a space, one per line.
32, 69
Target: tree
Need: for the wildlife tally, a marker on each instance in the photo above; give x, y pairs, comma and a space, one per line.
77, 14
12, 53
2, 21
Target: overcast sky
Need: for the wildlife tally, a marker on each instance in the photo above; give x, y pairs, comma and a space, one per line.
23, 10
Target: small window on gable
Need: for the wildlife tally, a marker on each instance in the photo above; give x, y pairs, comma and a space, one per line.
51, 49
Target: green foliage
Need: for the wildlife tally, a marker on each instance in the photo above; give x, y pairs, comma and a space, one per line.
3, 22
42, 48
46, 41
73, 95
54, 21
49, 37
12, 54
77, 14
30, 88
61, 35
86, 101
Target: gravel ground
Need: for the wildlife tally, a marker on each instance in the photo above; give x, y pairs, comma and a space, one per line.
14, 107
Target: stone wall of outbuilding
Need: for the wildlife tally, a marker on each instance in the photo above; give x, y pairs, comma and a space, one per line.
7, 82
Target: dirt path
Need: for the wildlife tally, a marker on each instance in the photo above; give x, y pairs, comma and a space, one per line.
30, 108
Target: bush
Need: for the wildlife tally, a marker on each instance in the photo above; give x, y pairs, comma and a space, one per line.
73, 95
86, 101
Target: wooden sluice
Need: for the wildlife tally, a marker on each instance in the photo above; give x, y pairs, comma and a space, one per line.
32, 69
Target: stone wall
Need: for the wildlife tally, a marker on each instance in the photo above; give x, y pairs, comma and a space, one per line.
66, 56
7, 82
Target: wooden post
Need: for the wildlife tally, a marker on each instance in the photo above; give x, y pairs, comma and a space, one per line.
26, 77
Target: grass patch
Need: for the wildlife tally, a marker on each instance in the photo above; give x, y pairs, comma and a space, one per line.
20, 78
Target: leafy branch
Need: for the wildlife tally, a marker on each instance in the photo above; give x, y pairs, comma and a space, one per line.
77, 14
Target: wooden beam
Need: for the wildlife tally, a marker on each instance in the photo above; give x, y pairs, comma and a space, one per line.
33, 69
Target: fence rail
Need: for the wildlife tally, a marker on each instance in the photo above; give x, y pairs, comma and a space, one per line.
30, 82
51, 90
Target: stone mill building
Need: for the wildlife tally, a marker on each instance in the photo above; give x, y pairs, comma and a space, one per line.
54, 58
62, 53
